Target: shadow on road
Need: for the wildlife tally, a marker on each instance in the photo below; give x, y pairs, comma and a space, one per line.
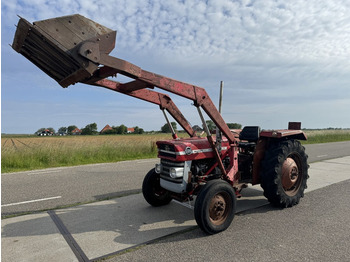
114, 225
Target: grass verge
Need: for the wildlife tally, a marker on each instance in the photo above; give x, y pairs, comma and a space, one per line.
28, 153
21, 153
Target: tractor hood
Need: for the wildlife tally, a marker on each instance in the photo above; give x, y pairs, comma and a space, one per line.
187, 149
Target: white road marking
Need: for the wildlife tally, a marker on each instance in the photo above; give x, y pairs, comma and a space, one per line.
322, 155
30, 201
185, 204
43, 172
37, 172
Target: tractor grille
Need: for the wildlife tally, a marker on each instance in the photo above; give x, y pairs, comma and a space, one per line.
167, 150
166, 165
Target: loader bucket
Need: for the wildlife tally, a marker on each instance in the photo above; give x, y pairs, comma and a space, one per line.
53, 45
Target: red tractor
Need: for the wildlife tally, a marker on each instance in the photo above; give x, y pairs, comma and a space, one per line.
215, 169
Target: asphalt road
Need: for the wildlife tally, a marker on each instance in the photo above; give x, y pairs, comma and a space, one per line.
316, 230
51, 188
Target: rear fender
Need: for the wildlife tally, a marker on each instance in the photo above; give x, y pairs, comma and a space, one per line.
284, 133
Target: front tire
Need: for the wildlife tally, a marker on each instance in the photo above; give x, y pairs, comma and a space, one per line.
215, 206
284, 173
153, 193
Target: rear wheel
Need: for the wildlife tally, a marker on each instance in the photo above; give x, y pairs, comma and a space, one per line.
154, 194
284, 173
215, 206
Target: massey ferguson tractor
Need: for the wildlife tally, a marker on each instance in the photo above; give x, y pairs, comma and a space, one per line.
212, 169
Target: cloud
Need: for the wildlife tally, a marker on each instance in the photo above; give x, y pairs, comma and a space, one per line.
267, 52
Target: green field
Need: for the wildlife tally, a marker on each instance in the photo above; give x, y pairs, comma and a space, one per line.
26, 153
19, 153
326, 136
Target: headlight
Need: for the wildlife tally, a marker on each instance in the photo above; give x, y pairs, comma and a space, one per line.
158, 168
176, 172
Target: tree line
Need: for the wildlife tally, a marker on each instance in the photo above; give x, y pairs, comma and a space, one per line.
211, 126
91, 129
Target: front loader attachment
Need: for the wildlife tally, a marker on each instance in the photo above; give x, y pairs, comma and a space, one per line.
74, 49
54, 44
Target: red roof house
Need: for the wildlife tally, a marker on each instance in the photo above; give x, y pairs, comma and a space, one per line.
76, 131
106, 128
131, 130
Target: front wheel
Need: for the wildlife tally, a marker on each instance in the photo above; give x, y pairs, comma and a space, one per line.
284, 173
215, 206
154, 194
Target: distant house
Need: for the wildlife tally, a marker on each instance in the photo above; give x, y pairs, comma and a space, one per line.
197, 128
76, 131
130, 130
46, 132
106, 128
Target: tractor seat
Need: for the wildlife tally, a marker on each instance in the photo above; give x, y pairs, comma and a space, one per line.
250, 134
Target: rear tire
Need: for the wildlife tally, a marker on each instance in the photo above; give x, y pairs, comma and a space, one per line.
215, 206
284, 173
154, 194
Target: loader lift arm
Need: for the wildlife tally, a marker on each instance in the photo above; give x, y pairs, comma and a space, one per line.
138, 90
163, 100
73, 49
145, 79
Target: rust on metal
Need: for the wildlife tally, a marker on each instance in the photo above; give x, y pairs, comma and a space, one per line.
294, 125
135, 85
53, 46
219, 208
290, 174
298, 134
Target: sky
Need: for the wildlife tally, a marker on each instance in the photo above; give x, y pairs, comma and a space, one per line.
280, 61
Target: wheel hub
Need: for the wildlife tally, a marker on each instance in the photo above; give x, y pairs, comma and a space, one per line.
217, 209
290, 174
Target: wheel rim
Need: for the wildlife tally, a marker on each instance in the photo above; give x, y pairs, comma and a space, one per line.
219, 208
291, 175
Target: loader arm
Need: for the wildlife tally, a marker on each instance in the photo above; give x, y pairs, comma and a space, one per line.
73, 49
197, 94
136, 89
